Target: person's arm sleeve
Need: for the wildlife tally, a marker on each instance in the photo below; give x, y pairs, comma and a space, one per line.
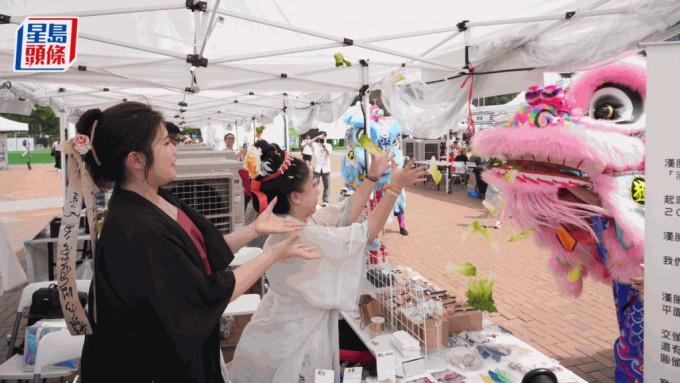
334, 281
188, 304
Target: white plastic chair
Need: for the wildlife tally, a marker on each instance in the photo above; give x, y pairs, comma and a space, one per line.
25, 302
57, 347
53, 348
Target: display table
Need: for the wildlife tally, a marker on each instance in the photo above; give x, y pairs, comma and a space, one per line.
522, 353
474, 354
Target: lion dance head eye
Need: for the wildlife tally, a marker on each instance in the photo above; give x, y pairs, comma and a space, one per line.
544, 118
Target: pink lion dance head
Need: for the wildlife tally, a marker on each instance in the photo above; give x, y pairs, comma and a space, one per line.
573, 157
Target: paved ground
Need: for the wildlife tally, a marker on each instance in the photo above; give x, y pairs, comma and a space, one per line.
577, 332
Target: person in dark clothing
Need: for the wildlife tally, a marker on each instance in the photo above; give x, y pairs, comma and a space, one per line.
160, 283
481, 185
462, 156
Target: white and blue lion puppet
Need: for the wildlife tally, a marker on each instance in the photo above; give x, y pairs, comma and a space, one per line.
353, 165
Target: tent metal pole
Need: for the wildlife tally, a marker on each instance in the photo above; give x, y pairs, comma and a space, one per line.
367, 119
408, 35
440, 43
334, 38
285, 122
64, 95
278, 52
102, 12
63, 126
209, 29
549, 18
132, 46
275, 76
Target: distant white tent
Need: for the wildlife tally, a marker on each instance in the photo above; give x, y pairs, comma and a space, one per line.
12, 126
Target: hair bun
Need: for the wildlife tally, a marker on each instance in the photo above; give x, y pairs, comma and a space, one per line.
86, 120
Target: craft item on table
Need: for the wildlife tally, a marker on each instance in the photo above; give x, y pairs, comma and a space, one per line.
368, 308
352, 375
522, 235
386, 367
377, 325
424, 378
408, 346
477, 227
33, 335
486, 378
448, 376
434, 171
323, 376
466, 359
379, 278
465, 319
490, 350
433, 332
413, 366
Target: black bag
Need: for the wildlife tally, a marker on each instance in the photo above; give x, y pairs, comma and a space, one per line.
45, 304
53, 153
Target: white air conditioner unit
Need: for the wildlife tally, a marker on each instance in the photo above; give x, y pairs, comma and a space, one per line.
218, 195
411, 148
205, 165
192, 148
430, 149
201, 154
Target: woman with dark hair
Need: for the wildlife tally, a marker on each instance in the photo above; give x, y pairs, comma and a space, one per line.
160, 283
295, 329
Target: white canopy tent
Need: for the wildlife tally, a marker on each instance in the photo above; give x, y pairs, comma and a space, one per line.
267, 55
12, 126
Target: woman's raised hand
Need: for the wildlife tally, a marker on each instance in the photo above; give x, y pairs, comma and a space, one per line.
289, 248
269, 223
408, 175
379, 165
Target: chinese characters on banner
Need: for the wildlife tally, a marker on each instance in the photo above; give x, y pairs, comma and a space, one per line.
46, 44
662, 222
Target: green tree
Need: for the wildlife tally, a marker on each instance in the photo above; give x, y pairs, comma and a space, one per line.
496, 100
41, 122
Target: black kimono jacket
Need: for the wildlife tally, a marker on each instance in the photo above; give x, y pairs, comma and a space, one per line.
157, 310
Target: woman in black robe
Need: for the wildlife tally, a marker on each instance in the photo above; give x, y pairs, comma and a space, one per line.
160, 284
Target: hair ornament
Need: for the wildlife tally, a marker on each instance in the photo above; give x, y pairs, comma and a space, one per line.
254, 168
81, 143
252, 161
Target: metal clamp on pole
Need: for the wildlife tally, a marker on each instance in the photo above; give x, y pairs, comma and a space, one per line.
196, 60
196, 5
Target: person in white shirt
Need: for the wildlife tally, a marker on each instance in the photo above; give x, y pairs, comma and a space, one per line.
307, 152
229, 141
322, 164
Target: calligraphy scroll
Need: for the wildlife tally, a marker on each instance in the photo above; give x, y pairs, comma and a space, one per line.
80, 187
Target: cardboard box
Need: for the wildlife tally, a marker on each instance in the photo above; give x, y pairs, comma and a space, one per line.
33, 335
469, 320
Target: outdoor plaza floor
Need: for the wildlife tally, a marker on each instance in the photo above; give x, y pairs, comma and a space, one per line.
577, 332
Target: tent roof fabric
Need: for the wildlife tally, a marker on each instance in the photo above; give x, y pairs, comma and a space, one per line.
264, 55
12, 126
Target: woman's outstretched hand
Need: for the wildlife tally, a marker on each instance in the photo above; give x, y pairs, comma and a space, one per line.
269, 223
408, 175
380, 164
289, 248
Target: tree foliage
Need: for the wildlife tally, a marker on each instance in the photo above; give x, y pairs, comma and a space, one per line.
41, 122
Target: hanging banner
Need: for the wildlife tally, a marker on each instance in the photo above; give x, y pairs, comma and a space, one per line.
662, 222
80, 187
46, 44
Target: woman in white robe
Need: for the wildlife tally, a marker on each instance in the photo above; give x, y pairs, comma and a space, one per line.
295, 329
